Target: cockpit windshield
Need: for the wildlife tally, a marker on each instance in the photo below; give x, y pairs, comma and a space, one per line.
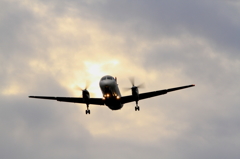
103, 78
107, 77
110, 78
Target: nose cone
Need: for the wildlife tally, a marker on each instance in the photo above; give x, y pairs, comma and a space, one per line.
107, 83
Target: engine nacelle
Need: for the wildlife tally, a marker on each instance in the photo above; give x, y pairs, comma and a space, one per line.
135, 91
85, 95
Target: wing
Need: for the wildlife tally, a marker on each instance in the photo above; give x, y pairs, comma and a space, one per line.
127, 99
96, 101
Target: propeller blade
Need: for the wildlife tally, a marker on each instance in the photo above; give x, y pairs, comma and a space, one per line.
132, 80
87, 85
81, 89
141, 85
78, 88
126, 89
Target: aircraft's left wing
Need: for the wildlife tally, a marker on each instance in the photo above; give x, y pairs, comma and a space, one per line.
96, 101
127, 99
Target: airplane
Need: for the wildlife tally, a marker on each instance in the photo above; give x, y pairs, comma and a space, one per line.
111, 95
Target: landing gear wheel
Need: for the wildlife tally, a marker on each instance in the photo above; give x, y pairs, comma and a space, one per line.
87, 111
137, 108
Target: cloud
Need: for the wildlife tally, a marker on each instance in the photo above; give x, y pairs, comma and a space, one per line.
49, 47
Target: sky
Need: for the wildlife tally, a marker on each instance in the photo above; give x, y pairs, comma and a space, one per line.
48, 47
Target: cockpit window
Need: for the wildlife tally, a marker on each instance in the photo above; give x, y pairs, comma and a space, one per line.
103, 78
109, 78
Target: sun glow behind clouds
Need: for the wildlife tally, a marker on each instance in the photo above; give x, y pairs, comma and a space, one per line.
96, 69
11, 90
77, 51
93, 72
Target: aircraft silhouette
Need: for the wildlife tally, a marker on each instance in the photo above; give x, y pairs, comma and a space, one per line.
111, 95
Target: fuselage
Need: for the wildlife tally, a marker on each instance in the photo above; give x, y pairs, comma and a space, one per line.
111, 93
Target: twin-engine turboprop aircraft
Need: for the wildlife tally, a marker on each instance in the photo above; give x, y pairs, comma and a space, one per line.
111, 95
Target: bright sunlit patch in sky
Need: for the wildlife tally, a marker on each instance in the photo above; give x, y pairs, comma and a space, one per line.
11, 90
93, 73
96, 69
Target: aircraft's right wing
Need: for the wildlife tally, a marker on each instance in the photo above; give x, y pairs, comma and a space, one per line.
96, 101
127, 99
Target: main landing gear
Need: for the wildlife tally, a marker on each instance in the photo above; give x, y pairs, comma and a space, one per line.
87, 111
137, 108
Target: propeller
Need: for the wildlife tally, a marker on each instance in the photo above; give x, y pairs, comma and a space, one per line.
85, 95
132, 80
86, 87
